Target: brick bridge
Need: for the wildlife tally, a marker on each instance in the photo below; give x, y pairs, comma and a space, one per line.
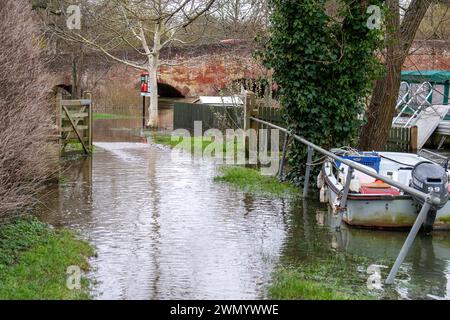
206, 69
187, 71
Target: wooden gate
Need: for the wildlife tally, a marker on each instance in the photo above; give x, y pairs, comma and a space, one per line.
75, 124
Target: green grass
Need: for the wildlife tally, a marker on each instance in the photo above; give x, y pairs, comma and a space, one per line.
445, 219
246, 179
77, 147
251, 181
175, 142
34, 259
334, 278
188, 143
97, 116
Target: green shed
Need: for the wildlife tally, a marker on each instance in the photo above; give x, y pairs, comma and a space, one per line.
439, 80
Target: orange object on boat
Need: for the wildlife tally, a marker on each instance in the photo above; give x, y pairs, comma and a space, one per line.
384, 190
376, 185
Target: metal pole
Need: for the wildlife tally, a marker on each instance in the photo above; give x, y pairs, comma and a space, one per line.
354, 165
308, 171
143, 112
286, 140
348, 179
409, 241
429, 200
343, 204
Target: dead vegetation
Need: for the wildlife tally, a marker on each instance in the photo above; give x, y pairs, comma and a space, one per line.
26, 130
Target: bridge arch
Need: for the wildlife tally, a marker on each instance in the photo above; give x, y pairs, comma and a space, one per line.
167, 91
63, 88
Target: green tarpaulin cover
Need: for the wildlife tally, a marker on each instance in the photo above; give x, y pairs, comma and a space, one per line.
435, 76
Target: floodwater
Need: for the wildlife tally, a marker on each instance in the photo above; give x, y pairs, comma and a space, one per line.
163, 229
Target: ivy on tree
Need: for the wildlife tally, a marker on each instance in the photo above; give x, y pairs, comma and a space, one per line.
325, 67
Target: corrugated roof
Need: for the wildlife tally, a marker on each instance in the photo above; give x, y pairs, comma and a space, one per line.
219, 100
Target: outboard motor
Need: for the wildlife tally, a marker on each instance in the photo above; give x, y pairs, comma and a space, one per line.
430, 178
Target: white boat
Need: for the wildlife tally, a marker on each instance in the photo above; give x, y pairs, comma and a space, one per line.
372, 203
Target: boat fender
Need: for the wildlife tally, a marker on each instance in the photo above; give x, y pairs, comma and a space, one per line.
320, 181
341, 179
355, 185
335, 206
324, 194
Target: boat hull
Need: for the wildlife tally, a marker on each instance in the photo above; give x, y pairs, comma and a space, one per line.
380, 211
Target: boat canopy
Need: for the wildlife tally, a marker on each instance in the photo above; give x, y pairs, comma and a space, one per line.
438, 79
432, 76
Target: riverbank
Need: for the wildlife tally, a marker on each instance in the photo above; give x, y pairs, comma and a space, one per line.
34, 259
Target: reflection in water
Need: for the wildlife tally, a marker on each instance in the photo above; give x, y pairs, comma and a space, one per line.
163, 229
425, 272
128, 128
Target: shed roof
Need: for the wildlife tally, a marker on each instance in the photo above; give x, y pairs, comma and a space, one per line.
219, 100
419, 76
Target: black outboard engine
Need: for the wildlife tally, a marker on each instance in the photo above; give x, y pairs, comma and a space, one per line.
430, 178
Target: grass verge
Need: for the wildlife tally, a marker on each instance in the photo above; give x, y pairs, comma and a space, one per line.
77, 147
251, 181
34, 259
99, 116
176, 142
189, 143
246, 179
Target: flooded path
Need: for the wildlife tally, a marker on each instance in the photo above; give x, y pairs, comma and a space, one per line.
163, 229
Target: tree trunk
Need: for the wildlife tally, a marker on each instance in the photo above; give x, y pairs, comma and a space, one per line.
153, 80
381, 109
77, 72
74, 76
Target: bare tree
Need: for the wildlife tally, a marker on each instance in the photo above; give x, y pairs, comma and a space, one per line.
242, 19
144, 26
436, 22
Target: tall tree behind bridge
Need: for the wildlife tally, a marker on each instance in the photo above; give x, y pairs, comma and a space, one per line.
436, 22
144, 26
399, 38
242, 19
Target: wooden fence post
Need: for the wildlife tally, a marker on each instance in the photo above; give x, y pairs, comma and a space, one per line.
413, 139
249, 105
59, 119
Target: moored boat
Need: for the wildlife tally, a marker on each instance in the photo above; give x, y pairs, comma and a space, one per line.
374, 204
